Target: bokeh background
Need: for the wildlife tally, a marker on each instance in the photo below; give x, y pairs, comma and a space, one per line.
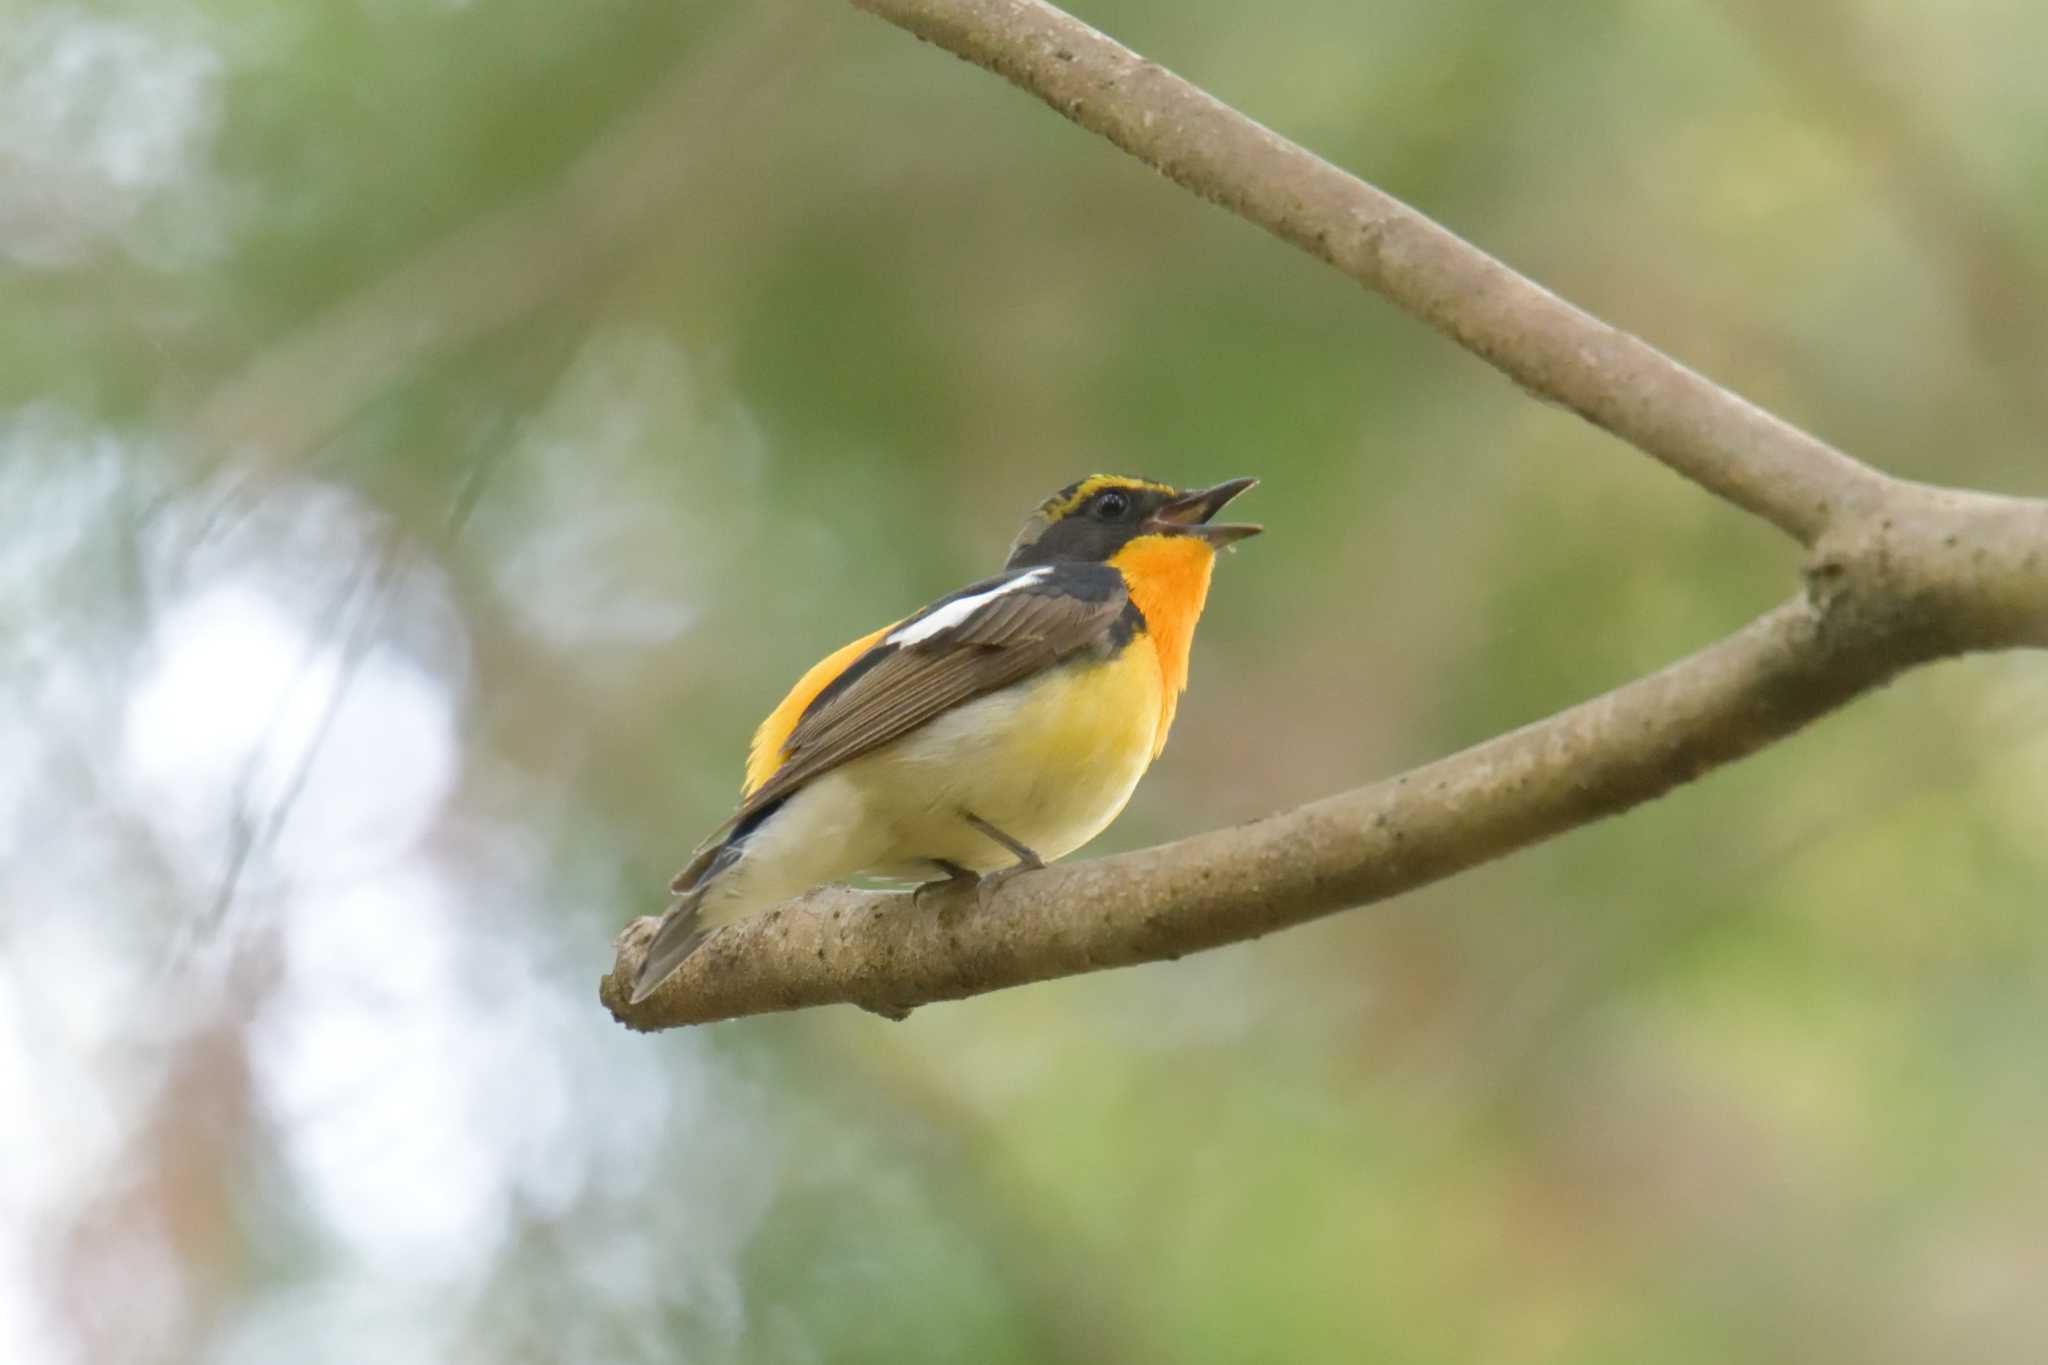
431, 433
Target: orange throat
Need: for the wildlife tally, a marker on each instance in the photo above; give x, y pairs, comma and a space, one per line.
1168, 577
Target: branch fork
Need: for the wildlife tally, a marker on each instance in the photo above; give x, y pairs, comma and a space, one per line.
1898, 574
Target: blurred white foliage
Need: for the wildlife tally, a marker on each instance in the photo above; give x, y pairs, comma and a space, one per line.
369, 1062
439, 1082
340, 1320
76, 1077
28, 1190
618, 509
99, 116
426, 1064
299, 687
240, 697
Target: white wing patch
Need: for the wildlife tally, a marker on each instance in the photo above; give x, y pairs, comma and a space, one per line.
953, 613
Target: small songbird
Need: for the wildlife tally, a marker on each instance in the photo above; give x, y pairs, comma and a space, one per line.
1003, 726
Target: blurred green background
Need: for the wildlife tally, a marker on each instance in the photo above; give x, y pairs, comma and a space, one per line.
432, 433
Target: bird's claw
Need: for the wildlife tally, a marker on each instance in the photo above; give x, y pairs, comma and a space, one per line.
956, 877
990, 883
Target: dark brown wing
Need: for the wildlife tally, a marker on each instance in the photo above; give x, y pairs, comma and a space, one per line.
980, 639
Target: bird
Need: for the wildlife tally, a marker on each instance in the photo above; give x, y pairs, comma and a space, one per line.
1001, 727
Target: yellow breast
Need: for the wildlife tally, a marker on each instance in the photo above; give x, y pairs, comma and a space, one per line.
1086, 720
1051, 761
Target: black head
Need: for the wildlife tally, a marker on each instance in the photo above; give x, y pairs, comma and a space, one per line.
1095, 518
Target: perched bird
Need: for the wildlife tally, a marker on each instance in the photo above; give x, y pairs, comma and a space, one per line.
1003, 726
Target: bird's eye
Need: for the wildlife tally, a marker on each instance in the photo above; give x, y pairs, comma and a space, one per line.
1112, 506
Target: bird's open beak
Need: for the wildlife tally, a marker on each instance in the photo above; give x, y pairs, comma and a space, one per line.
1189, 514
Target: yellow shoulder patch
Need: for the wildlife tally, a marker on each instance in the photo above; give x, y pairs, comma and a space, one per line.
765, 755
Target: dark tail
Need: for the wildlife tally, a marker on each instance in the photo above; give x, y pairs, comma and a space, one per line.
674, 941
679, 935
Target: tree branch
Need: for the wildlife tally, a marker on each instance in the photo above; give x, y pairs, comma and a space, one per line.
1898, 574
1757, 461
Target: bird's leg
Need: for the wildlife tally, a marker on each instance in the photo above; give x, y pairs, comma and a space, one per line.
1027, 859
956, 875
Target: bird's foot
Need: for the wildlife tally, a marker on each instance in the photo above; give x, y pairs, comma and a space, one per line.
991, 882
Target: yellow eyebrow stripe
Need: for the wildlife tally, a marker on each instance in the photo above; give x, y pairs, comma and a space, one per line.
1055, 508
